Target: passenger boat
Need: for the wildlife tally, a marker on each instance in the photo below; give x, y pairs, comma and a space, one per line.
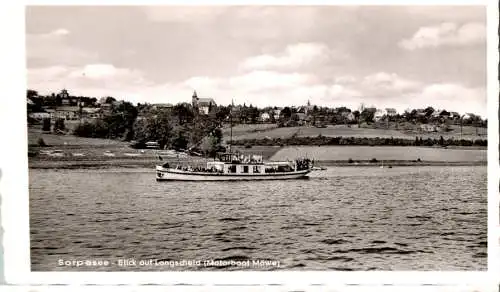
233, 166
236, 167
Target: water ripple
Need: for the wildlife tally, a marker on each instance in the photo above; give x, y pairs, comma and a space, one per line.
353, 218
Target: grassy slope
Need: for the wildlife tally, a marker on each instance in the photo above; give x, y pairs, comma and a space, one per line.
338, 153
261, 132
96, 151
70, 140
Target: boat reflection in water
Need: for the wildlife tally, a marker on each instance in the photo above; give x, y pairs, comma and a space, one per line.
234, 166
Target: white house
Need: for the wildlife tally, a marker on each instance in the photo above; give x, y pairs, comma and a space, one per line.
429, 128
163, 106
277, 113
391, 112
64, 112
39, 115
206, 105
350, 117
91, 113
436, 114
379, 114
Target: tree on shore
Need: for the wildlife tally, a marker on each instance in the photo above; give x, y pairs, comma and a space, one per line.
183, 112
121, 121
367, 115
180, 142
46, 125
110, 99
59, 125
156, 128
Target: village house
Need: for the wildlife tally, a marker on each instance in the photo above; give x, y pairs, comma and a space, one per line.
429, 128
234, 116
165, 106
379, 115
302, 118
64, 112
29, 102
454, 115
67, 99
265, 117
203, 105
277, 113
106, 109
302, 109
421, 112
39, 115
466, 116
309, 108
91, 113
391, 112
349, 116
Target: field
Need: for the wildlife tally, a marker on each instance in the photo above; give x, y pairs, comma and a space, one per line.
244, 129
343, 153
262, 132
69, 140
67, 151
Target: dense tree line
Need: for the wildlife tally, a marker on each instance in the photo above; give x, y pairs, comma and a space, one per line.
179, 127
359, 141
117, 125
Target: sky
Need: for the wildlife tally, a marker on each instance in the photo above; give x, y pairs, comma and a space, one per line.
401, 57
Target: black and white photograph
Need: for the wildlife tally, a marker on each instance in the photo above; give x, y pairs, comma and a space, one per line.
257, 138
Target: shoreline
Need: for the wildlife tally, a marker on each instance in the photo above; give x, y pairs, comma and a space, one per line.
135, 164
88, 157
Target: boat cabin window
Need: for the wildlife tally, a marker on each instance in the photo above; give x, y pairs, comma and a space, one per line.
232, 168
245, 169
256, 169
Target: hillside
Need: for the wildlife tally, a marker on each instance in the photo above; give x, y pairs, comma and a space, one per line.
263, 131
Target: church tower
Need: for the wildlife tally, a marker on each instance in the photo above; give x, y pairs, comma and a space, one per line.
194, 100
307, 107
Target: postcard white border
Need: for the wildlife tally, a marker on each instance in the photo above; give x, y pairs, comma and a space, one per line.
14, 179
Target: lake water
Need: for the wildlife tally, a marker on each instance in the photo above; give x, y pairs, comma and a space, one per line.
383, 153
353, 218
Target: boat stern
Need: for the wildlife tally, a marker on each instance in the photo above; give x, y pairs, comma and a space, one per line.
160, 174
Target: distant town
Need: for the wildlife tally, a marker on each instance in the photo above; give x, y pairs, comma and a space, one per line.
186, 125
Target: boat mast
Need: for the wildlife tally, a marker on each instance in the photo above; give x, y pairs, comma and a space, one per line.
231, 124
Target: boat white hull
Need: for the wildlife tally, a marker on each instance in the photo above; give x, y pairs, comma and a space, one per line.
165, 174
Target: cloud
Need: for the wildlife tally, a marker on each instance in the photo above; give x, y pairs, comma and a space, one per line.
59, 32
383, 84
463, 13
108, 73
262, 88
258, 81
294, 57
93, 79
257, 87
52, 48
345, 79
446, 34
169, 13
456, 97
